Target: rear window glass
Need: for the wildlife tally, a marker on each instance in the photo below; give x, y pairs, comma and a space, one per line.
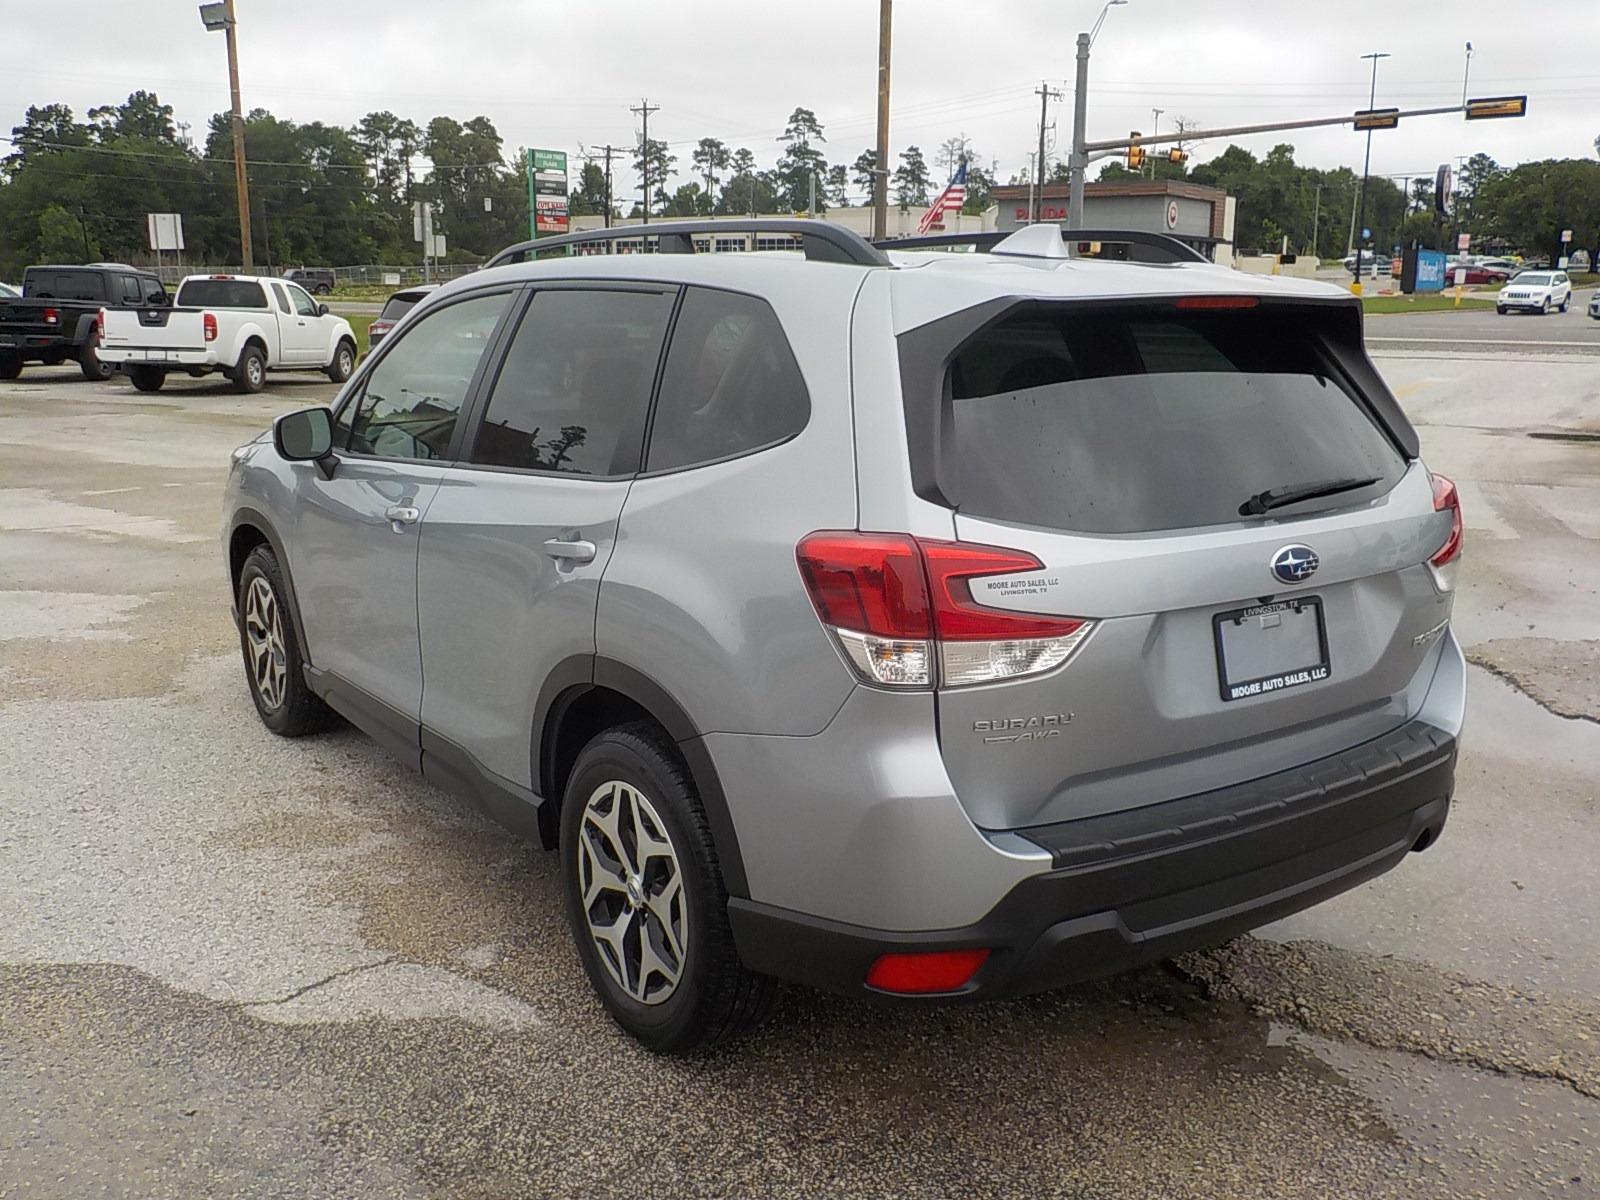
399, 306
222, 293
64, 285
1132, 421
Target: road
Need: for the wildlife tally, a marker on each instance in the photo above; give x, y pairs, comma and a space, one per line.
234, 965
1478, 328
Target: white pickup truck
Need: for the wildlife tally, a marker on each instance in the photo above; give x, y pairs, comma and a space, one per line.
241, 325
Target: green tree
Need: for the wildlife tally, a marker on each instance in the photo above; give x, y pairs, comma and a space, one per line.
911, 178
863, 172
588, 199
653, 163
60, 238
839, 186
802, 162
1528, 206
711, 158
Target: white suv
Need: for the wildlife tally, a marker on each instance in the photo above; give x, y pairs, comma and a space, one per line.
1535, 291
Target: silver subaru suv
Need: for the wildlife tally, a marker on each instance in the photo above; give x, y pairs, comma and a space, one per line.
913, 624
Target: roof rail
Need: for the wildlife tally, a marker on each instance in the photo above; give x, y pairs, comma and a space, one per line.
821, 241
1173, 249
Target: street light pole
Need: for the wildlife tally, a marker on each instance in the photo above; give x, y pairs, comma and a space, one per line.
221, 16
1078, 160
1361, 222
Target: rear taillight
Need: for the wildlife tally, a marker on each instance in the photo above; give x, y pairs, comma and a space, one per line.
926, 972
99, 330
52, 316
904, 612
1447, 499
379, 327
209, 323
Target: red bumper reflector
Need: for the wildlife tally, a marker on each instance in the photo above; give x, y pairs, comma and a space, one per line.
935, 971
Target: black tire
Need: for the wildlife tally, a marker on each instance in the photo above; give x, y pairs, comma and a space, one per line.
147, 379
89, 363
344, 361
1544, 307
10, 366
297, 710
55, 358
322, 289
196, 372
716, 997
250, 375
1566, 304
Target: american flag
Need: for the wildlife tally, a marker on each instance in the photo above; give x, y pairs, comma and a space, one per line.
950, 200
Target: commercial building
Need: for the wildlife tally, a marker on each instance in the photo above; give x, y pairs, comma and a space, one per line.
1193, 213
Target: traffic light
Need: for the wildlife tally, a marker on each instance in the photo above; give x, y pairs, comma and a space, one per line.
1135, 151
1177, 155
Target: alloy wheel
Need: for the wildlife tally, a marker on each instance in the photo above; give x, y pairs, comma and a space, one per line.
263, 631
632, 892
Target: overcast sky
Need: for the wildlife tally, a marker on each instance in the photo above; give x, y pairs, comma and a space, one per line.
560, 74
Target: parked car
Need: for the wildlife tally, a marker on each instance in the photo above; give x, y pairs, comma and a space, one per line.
1535, 291
1594, 306
1483, 273
58, 314
396, 306
9, 291
241, 325
319, 281
929, 633
1370, 264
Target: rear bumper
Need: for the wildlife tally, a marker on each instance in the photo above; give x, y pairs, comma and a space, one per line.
1142, 885
30, 346
147, 356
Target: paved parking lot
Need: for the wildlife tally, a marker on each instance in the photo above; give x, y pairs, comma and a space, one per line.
234, 965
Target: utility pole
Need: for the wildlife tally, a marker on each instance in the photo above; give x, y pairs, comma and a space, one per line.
880, 171
608, 150
1045, 93
1155, 128
1375, 56
221, 16
1316, 214
643, 112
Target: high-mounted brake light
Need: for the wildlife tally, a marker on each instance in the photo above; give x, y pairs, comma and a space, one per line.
898, 605
1192, 302
1447, 499
208, 322
926, 972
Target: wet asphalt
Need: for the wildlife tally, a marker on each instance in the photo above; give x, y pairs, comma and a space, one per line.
234, 965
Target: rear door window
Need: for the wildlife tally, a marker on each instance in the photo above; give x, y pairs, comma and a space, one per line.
731, 384
281, 296
131, 293
574, 391
1130, 421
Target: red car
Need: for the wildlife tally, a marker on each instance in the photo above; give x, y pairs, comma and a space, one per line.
1482, 273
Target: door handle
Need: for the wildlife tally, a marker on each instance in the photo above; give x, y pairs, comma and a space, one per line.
573, 551
401, 515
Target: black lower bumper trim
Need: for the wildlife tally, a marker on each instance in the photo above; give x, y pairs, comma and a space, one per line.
1154, 882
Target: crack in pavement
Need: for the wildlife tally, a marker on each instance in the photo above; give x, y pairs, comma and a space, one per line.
1394, 1004
323, 982
1478, 658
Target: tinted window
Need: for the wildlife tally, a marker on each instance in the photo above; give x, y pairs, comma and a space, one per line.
222, 293
131, 293
154, 293
281, 296
304, 305
414, 394
731, 383
1133, 421
64, 285
574, 391
399, 305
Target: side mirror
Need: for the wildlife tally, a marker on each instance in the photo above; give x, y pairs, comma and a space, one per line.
322, 310
305, 435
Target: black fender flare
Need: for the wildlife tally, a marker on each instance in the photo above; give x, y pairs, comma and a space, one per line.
82, 330
581, 673
258, 520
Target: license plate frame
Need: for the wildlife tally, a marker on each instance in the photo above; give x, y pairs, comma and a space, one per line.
1277, 680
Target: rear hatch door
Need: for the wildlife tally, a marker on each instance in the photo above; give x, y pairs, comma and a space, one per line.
1214, 488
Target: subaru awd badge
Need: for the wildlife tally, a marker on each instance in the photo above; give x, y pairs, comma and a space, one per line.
1295, 564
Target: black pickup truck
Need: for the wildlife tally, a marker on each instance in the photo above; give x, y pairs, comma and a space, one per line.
57, 316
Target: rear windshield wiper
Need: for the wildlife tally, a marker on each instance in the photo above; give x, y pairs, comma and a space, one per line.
1294, 492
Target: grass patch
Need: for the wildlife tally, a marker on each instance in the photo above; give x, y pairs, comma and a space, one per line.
1432, 302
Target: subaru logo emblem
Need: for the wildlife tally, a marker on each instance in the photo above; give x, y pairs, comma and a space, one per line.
1295, 564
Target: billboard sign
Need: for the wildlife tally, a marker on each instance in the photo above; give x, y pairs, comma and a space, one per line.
547, 192
165, 231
